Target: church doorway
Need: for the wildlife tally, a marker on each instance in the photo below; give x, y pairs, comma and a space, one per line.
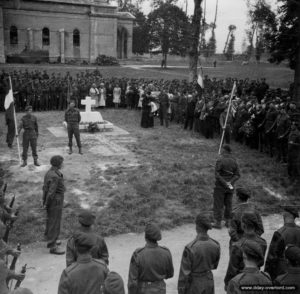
122, 43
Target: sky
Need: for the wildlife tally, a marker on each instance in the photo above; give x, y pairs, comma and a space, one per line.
230, 12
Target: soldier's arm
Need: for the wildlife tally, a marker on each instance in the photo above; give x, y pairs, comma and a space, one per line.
218, 255
79, 117
133, 275
260, 226
184, 278
20, 126
235, 264
51, 191
103, 251
36, 127
218, 175
233, 227
236, 174
233, 288
64, 286
66, 116
71, 255
170, 268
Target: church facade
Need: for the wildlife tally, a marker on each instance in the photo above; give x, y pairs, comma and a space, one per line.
65, 29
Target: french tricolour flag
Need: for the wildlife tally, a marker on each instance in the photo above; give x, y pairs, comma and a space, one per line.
8, 103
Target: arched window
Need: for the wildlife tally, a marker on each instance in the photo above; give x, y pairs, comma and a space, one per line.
46, 37
13, 35
76, 38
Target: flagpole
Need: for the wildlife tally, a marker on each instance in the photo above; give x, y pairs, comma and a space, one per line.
16, 125
226, 119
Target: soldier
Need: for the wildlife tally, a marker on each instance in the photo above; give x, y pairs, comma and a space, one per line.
99, 251
226, 173
291, 278
288, 234
163, 109
150, 265
269, 128
199, 257
253, 257
235, 229
236, 264
5, 249
53, 200
72, 117
30, 135
86, 275
113, 284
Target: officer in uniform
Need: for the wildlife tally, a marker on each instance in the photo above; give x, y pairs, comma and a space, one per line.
30, 135
86, 275
226, 173
292, 255
150, 265
72, 117
99, 251
236, 264
253, 257
288, 234
53, 200
235, 229
199, 257
114, 284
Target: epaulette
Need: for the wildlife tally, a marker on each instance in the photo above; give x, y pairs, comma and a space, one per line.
138, 250
100, 261
71, 267
165, 248
214, 241
240, 276
266, 275
191, 244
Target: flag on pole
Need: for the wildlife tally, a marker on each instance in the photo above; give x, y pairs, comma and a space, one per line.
200, 80
9, 99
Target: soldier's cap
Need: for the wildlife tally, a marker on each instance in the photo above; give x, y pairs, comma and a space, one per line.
227, 148
202, 220
152, 232
249, 219
252, 249
86, 218
243, 193
28, 107
293, 210
292, 253
22, 291
114, 284
84, 240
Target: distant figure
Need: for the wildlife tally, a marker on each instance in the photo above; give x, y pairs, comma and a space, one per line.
117, 96
163, 63
215, 63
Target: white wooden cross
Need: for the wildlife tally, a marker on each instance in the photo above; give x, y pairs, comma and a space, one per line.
88, 102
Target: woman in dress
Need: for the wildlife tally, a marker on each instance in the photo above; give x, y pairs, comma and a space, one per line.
141, 93
117, 95
94, 94
146, 111
102, 94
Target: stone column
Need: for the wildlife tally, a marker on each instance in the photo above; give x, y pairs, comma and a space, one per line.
30, 38
2, 48
129, 45
62, 45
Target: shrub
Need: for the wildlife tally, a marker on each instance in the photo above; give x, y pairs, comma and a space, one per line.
106, 60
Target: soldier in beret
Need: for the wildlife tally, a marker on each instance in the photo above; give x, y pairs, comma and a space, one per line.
30, 135
99, 251
53, 200
253, 257
236, 264
288, 234
226, 173
114, 284
242, 206
150, 265
86, 275
292, 255
199, 257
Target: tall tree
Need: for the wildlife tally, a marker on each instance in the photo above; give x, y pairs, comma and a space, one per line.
194, 40
231, 29
140, 34
212, 43
169, 30
230, 48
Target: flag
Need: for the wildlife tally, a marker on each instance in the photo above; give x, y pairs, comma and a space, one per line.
200, 80
9, 99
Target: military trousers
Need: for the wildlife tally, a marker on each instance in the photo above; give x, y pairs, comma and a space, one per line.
73, 129
29, 137
11, 131
158, 287
202, 283
163, 116
53, 220
222, 199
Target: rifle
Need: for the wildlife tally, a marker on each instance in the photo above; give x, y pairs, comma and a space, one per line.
23, 271
14, 261
4, 189
9, 225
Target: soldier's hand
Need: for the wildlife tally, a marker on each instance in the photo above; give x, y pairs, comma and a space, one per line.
19, 277
17, 136
16, 253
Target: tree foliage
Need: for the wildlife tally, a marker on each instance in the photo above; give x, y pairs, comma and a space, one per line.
230, 48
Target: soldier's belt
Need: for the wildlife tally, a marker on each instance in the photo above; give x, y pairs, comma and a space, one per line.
201, 274
150, 284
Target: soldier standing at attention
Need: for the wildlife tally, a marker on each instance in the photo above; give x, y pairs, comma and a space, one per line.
226, 173
30, 135
150, 265
86, 275
288, 234
99, 251
253, 257
199, 257
72, 117
53, 200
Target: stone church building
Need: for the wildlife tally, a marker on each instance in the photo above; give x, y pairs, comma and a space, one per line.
65, 29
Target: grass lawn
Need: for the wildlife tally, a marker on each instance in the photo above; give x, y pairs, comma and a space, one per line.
172, 183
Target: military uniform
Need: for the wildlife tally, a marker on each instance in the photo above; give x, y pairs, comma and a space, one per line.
226, 170
282, 131
199, 258
53, 199
30, 135
85, 276
248, 277
269, 129
163, 109
72, 117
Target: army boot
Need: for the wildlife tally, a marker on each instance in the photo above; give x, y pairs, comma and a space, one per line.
70, 150
24, 163
80, 151
36, 163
